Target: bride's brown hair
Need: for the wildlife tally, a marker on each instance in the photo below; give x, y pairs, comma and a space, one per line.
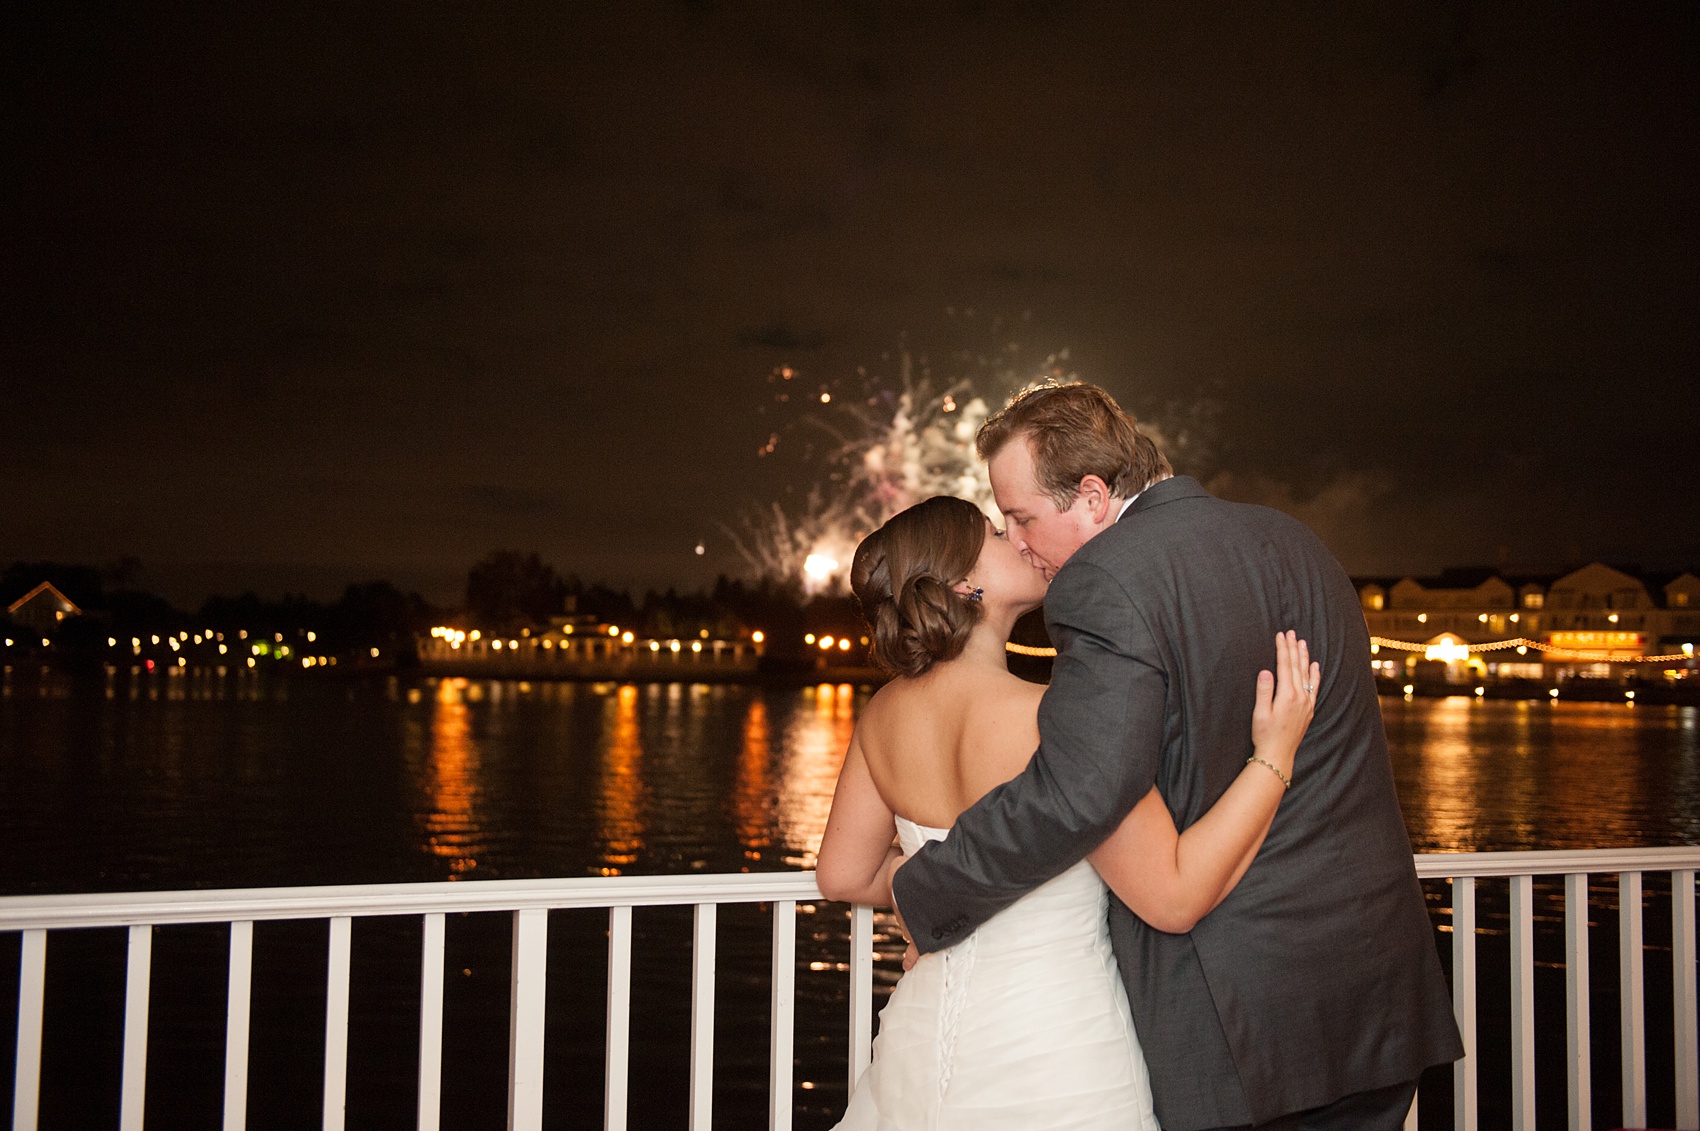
902, 577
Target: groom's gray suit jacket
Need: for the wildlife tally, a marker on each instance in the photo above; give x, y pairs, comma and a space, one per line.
1317, 976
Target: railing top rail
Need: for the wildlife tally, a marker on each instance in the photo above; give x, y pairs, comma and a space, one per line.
121, 909
1556, 861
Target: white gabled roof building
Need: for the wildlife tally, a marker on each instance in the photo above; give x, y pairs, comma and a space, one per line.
42, 608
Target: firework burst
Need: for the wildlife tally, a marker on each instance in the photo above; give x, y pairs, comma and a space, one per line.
900, 442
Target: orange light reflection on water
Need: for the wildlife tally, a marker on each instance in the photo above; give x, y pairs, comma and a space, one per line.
1479, 775
451, 826
1446, 775
622, 800
752, 789
815, 744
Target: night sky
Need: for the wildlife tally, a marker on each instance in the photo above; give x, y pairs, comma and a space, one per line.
295, 296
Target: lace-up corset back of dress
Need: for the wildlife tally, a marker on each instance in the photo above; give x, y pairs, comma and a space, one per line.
1070, 910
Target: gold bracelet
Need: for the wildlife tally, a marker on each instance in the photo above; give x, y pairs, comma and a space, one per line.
1286, 783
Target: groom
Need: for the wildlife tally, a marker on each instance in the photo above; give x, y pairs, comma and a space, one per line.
1312, 996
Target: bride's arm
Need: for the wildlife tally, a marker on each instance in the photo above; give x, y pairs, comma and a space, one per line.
856, 852
1172, 881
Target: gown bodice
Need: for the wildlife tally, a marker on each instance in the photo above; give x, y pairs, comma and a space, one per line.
1070, 910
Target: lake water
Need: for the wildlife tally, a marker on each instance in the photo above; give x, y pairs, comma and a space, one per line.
200, 781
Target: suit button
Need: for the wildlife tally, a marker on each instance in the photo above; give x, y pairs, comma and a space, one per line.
938, 933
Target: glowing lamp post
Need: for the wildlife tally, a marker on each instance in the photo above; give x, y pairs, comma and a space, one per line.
1447, 653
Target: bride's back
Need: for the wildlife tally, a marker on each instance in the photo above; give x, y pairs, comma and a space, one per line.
936, 743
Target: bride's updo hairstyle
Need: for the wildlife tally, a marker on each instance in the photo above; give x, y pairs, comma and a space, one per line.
902, 577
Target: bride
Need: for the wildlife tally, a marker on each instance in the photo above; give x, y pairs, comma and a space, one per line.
1024, 1024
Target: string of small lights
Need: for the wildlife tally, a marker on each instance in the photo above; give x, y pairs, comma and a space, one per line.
1523, 644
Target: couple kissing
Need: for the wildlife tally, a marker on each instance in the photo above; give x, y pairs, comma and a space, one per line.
1133, 910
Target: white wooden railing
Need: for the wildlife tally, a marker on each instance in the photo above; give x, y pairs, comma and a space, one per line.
529, 901
1464, 869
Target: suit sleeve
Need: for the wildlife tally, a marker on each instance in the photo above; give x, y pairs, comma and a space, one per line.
1100, 736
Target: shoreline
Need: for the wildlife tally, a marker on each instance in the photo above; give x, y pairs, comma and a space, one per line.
807, 673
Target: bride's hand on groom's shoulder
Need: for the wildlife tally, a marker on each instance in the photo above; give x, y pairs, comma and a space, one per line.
1286, 700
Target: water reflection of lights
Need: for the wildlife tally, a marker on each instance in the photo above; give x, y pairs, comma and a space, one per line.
815, 743
1439, 809
752, 790
452, 832
1487, 775
621, 802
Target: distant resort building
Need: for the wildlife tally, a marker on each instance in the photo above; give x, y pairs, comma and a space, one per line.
42, 608
1596, 622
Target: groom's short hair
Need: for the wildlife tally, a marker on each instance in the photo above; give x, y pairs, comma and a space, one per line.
1076, 430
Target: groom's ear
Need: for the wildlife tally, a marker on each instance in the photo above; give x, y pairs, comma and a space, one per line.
1095, 493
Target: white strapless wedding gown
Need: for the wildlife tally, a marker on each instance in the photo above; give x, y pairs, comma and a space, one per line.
1021, 1026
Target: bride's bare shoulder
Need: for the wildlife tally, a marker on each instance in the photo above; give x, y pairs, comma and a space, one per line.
926, 699
883, 701
882, 706
1019, 694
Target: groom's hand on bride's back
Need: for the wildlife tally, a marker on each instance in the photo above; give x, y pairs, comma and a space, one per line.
910, 954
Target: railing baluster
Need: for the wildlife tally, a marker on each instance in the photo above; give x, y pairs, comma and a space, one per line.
619, 1018
1578, 1055
525, 1019
1522, 1003
781, 1017
1683, 991
431, 1022
1464, 1000
702, 1017
861, 990
139, 968
238, 1006
1632, 997
26, 1068
336, 1022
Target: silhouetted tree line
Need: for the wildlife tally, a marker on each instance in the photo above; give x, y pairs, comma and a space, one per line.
508, 590
373, 614
505, 591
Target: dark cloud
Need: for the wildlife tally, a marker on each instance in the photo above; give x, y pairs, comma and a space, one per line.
510, 502
778, 336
